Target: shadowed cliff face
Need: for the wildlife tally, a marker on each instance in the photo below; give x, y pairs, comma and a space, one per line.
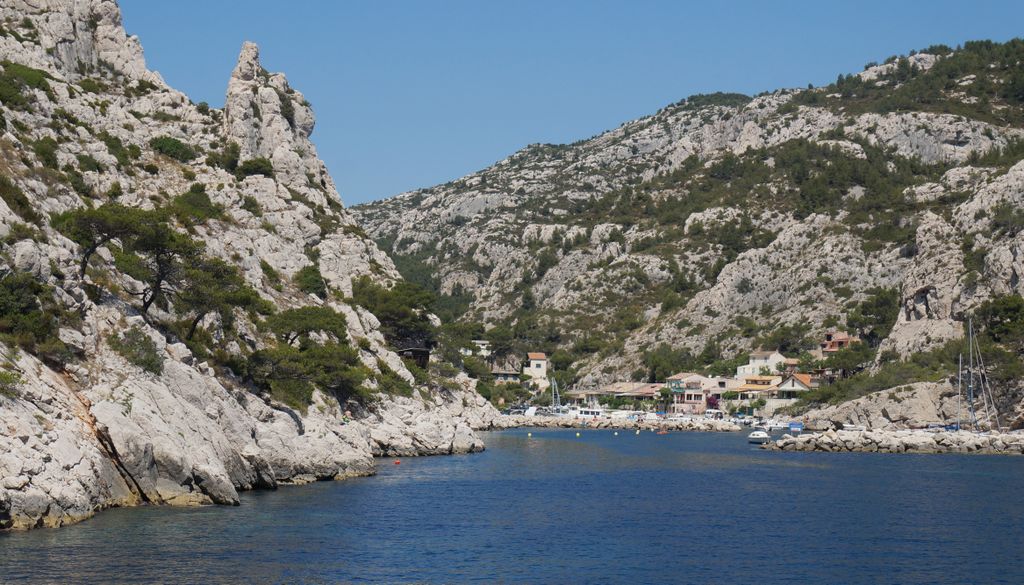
722, 220
102, 401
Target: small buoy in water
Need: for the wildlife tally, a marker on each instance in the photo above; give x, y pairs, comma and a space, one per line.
616, 433
577, 434
397, 462
638, 431
529, 434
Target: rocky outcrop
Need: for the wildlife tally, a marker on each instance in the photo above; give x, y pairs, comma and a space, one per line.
97, 431
902, 442
74, 38
904, 407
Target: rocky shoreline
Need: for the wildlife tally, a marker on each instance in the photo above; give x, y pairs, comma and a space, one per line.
902, 441
697, 425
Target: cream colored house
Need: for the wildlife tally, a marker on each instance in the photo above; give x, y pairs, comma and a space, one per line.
759, 361
536, 369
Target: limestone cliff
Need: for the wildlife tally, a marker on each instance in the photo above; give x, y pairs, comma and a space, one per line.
85, 123
722, 219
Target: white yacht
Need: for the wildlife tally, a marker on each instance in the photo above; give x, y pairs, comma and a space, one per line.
758, 437
587, 412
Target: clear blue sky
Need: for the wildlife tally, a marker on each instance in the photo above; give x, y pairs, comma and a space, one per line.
411, 93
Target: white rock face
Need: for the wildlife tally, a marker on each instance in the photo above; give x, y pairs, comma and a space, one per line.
75, 36
104, 432
596, 207
911, 406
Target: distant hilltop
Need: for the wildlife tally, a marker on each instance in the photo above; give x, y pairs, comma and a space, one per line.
887, 202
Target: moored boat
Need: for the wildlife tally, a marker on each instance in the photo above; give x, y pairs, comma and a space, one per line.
758, 437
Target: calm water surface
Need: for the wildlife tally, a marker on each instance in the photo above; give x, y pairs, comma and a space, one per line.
554, 508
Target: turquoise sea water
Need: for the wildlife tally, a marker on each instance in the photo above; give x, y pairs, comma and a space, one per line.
554, 508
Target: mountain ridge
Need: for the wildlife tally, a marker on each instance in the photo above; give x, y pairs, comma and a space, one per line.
675, 228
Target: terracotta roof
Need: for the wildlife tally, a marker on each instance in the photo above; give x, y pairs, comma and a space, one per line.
791, 361
536, 356
681, 376
805, 379
760, 378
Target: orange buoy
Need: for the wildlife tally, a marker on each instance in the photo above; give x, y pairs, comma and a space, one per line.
397, 462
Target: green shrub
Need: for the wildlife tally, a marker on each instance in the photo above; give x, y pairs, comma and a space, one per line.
88, 163
16, 200
21, 231
46, 151
195, 206
291, 374
173, 148
16, 78
29, 317
402, 311
250, 204
118, 150
268, 271
256, 166
287, 108
296, 325
310, 281
77, 182
226, 159
10, 383
138, 348
92, 86
115, 191
390, 383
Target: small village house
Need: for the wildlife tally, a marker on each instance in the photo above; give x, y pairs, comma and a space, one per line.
506, 371
789, 390
641, 392
536, 369
480, 348
689, 392
793, 386
759, 362
757, 387
836, 341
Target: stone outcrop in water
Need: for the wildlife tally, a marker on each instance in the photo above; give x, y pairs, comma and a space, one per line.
95, 430
903, 442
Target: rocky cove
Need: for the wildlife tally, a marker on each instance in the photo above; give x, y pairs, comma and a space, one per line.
306, 371
91, 418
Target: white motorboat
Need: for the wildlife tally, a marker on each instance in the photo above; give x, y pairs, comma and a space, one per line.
759, 437
587, 412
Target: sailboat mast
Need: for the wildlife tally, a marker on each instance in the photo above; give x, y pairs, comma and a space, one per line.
959, 389
970, 373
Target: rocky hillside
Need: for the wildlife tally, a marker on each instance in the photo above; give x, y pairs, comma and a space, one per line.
887, 202
186, 309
